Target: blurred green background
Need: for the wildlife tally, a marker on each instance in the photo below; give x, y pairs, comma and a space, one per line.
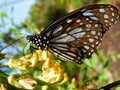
101, 69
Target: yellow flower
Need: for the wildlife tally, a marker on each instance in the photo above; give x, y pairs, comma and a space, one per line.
2, 87
22, 81
52, 71
28, 62
28, 83
13, 80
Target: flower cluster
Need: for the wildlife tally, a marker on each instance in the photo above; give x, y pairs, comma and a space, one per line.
51, 72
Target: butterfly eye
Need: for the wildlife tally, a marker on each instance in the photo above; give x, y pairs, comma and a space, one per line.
78, 34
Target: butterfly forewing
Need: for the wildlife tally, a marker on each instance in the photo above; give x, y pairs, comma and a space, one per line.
77, 35
106, 14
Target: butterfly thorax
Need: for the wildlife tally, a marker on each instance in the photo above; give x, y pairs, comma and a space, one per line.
41, 42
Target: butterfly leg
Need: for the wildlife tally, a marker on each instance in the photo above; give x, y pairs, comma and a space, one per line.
32, 49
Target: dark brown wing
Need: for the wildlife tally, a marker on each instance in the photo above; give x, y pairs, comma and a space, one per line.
78, 34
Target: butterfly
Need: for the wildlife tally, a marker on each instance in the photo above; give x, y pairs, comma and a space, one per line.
78, 34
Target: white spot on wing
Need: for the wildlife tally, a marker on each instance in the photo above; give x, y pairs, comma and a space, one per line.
94, 18
92, 45
112, 19
78, 35
62, 55
96, 37
109, 6
69, 20
106, 16
72, 54
90, 21
88, 29
62, 35
97, 42
101, 10
87, 19
48, 34
92, 50
88, 14
83, 10
84, 42
88, 25
89, 53
78, 20
39, 40
91, 40
35, 39
67, 38
96, 25
84, 50
68, 28
88, 35
76, 30
111, 9
44, 38
93, 32
61, 45
66, 56
86, 47
99, 34
113, 14
57, 29
81, 23
106, 21
62, 48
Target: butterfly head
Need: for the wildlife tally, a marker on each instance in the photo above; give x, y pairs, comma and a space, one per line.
39, 41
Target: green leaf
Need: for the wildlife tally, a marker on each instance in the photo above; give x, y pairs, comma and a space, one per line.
94, 60
1, 35
118, 56
104, 1
36, 73
13, 30
27, 49
3, 14
87, 62
118, 88
105, 63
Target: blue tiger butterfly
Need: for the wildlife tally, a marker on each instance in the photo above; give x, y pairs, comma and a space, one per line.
77, 35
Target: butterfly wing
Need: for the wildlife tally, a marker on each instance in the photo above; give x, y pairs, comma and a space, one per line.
78, 43
78, 34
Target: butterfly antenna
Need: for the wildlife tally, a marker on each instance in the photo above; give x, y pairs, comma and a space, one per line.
111, 85
11, 43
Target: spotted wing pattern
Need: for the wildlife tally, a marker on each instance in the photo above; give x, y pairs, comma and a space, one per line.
77, 35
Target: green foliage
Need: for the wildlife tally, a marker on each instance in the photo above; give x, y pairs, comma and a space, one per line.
42, 13
4, 83
118, 88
